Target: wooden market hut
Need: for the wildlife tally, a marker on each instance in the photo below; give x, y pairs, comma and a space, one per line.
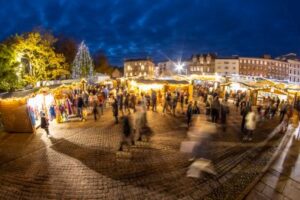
146, 85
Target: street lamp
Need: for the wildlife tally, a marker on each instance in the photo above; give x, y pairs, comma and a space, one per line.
179, 67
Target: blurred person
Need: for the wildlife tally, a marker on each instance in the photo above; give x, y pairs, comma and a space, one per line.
127, 132
154, 101
215, 108
115, 109
189, 113
224, 111
196, 109
45, 123
250, 124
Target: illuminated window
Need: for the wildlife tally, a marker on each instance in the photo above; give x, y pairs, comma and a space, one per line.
130, 73
142, 67
145, 74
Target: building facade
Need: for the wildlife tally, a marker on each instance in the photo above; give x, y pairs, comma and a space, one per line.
166, 68
139, 67
294, 71
264, 67
227, 66
202, 64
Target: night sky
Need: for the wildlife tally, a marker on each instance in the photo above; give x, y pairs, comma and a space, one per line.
163, 28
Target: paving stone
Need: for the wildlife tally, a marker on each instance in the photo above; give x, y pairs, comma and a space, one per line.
81, 161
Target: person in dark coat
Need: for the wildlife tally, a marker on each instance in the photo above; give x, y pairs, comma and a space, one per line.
154, 100
215, 108
127, 132
115, 109
189, 113
196, 109
224, 111
95, 110
127, 103
80, 104
45, 123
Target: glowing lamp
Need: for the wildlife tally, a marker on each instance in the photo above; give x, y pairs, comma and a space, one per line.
179, 67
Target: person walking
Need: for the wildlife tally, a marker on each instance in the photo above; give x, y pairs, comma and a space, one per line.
101, 103
127, 133
167, 102
126, 103
139, 121
121, 103
215, 107
174, 103
115, 109
244, 112
208, 107
80, 104
250, 124
45, 123
95, 110
196, 109
148, 101
182, 102
224, 111
154, 101
189, 113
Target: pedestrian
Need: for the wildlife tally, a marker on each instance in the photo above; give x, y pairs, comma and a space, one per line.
101, 103
148, 100
139, 121
127, 133
154, 101
244, 112
45, 123
283, 110
121, 103
208, 107
250, 124
182, 102
95, 110
80, 104
115, 109
133, 102
167, 102
126, 103
189, 113
174, 104
196, 109
224, 111
215, 107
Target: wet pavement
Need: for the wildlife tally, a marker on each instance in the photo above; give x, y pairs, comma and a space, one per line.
81, 161
282, 180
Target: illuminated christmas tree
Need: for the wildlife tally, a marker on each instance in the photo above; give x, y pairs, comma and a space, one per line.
83, 64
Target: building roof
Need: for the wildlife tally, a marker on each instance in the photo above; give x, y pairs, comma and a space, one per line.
214, 55
227, 57
137, 59
289, 56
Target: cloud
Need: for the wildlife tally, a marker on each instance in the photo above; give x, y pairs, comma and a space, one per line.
127, 28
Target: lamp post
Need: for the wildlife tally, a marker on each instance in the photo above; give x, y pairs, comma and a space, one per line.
179, 67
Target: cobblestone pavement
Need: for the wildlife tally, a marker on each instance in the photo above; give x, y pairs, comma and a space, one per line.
282, 180
81, 161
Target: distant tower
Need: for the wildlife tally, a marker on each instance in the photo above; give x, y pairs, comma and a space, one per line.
83, 64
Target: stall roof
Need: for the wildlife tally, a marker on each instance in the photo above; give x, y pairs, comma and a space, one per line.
157, 81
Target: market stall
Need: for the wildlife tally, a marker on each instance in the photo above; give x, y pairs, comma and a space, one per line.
15, 115
146, 85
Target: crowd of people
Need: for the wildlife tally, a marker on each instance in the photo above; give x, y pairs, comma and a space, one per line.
133, 106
